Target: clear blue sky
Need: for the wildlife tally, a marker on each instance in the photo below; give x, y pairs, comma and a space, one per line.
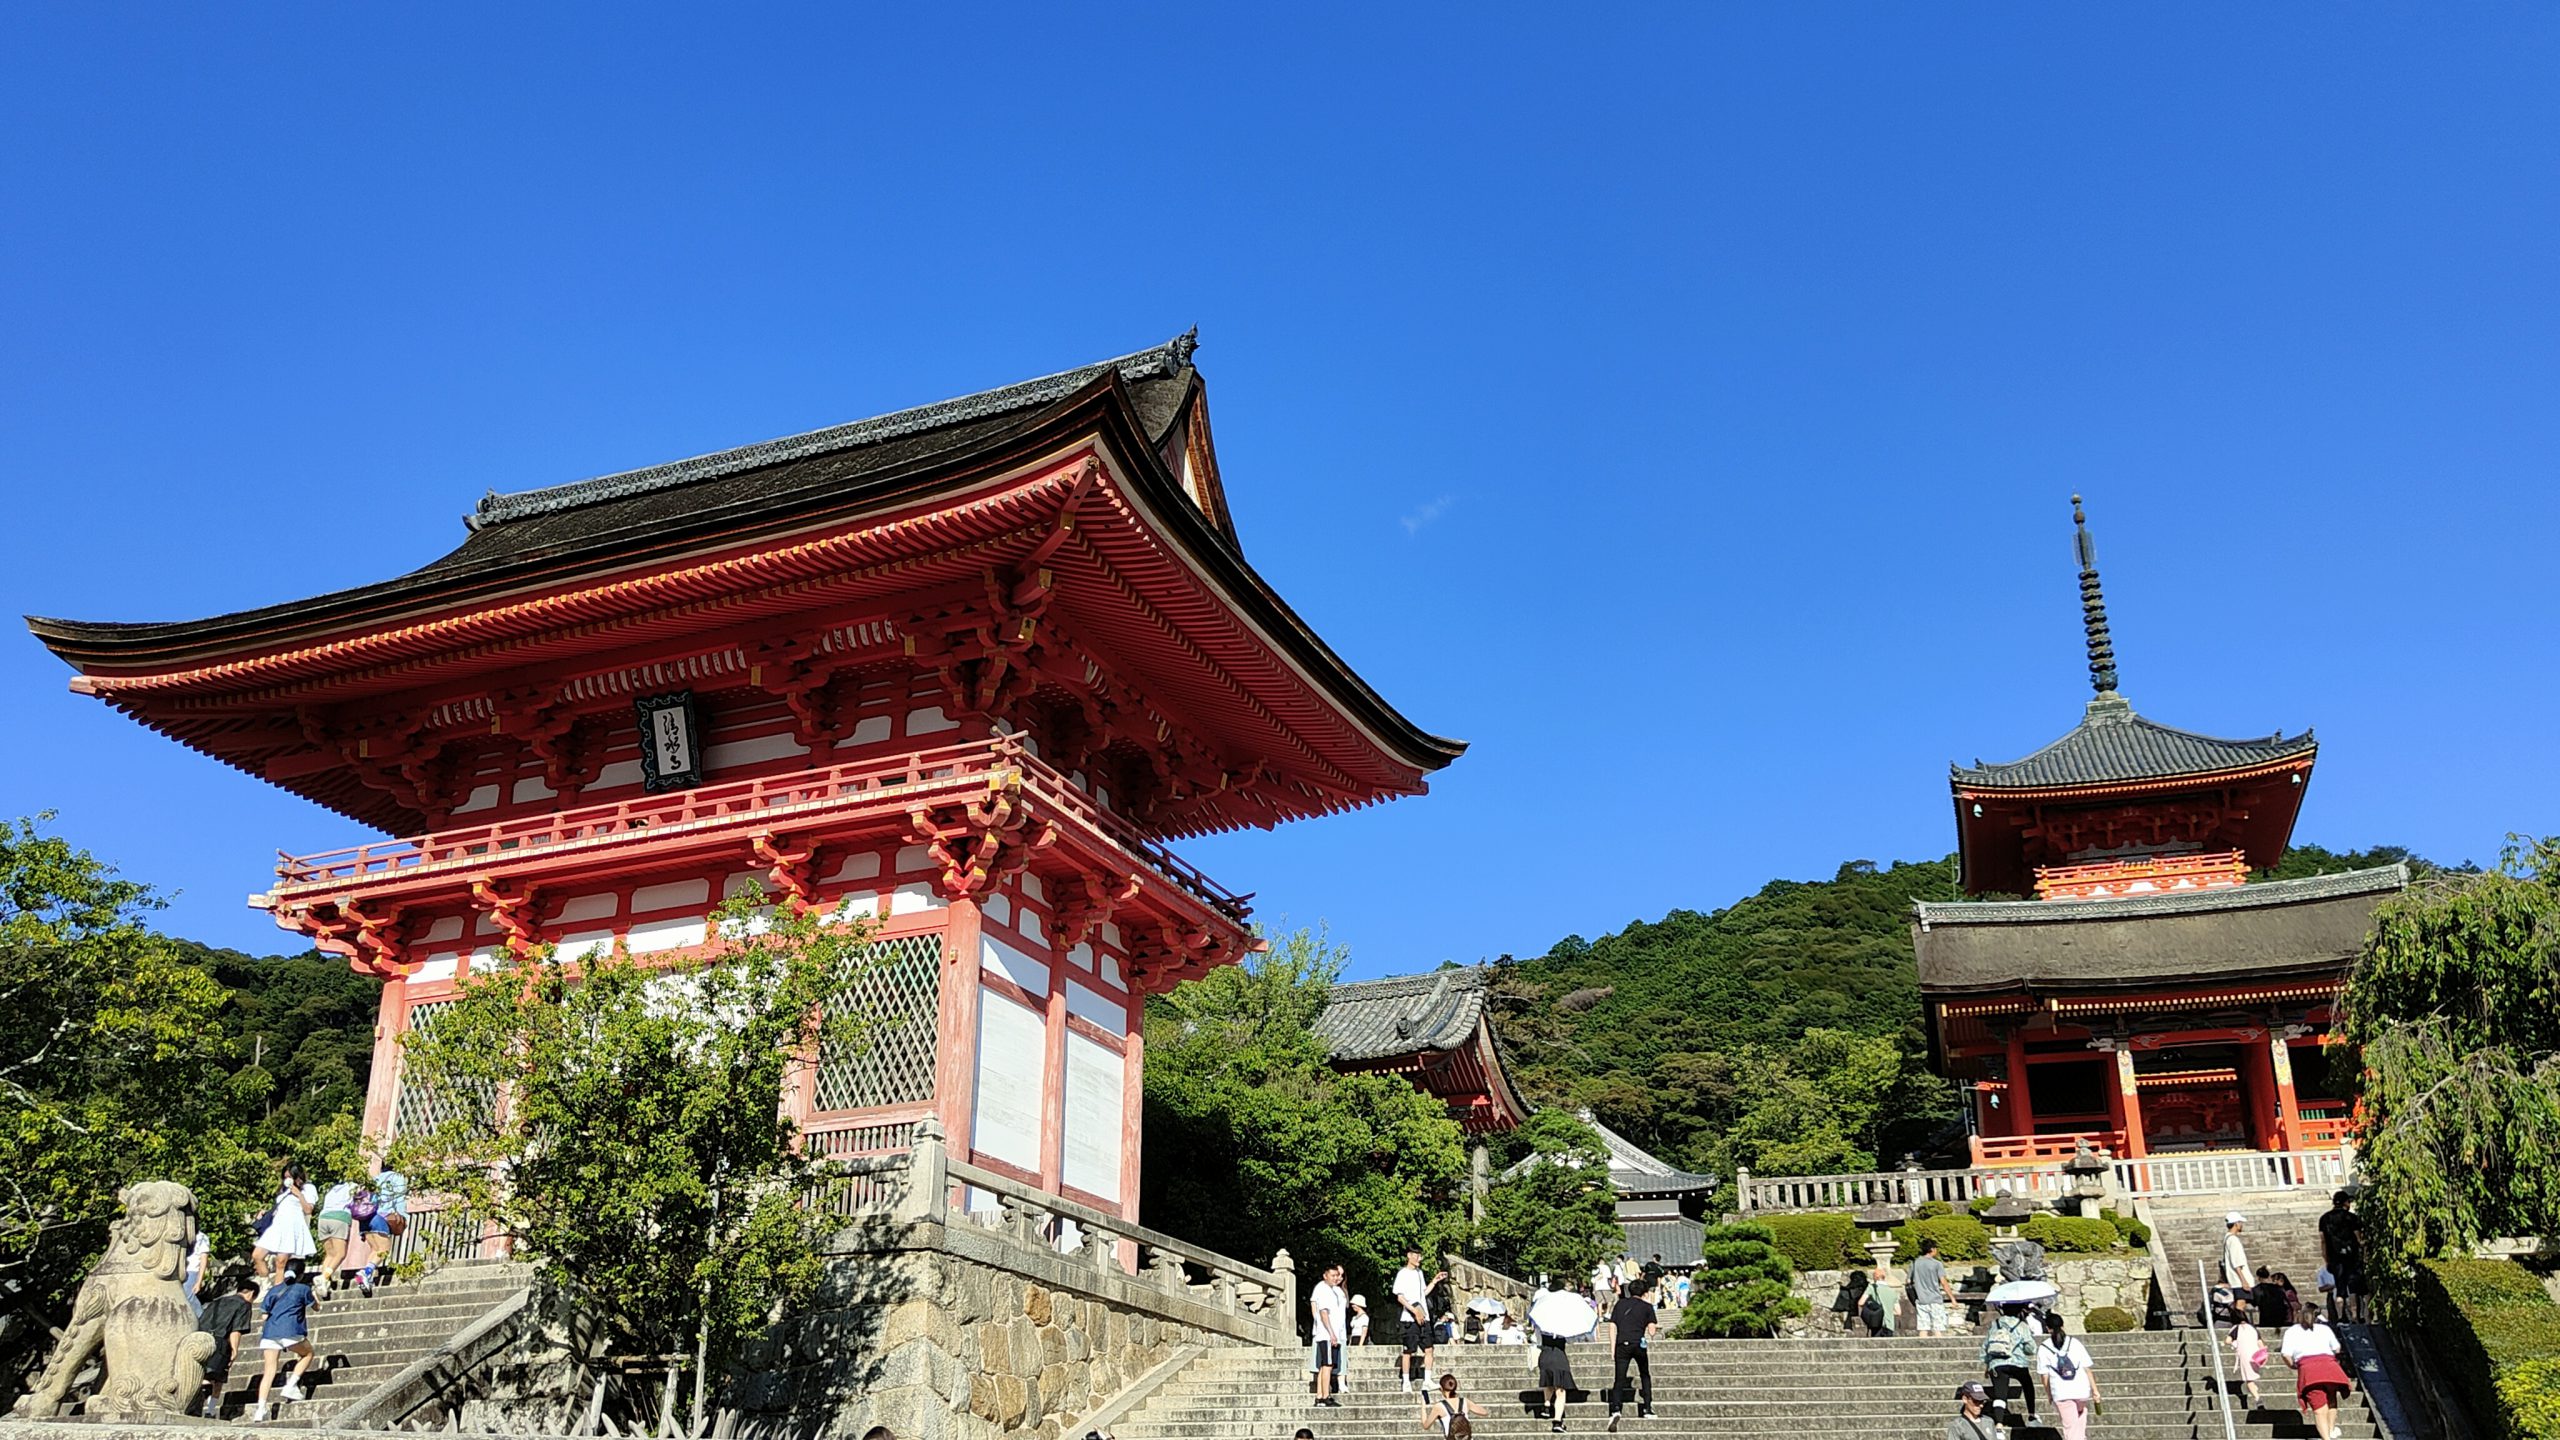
1682, 405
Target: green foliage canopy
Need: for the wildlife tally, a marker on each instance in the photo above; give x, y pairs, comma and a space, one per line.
1254, 1143
1555, 1214
2454, 1007
115, 1066
637, 1149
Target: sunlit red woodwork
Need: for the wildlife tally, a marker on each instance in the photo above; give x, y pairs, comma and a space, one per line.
965, 669
2150, 997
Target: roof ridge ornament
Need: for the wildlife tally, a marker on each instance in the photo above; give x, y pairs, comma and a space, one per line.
2093, 619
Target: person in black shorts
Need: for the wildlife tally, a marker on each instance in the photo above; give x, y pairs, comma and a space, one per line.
1632, 1325
1412, 1291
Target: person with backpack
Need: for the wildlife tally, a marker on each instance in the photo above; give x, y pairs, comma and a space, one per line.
2069, 1380
2008, 1361
1456, 1417
227, 1318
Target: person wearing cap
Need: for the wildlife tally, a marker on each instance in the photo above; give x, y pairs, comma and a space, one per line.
1359, 1319
2235, 1256
1970, 1422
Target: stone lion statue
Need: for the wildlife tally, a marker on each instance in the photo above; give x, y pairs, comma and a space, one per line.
134, 1307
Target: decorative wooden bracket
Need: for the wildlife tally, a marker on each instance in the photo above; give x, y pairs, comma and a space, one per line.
514, 909
982, 842
1096, 898
370, 944
565, 742
793, 871
799, 670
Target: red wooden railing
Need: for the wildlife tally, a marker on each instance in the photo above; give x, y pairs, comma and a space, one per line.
2166, 872
2040, 1149
882, 783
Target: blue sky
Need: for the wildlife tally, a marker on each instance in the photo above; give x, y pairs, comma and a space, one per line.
1681, 404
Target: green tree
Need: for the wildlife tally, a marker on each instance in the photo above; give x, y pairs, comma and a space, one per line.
1256, 1144
620, 1122
307, 1021
1554, 1213
1742, 1287
2454, 1009
114, 1067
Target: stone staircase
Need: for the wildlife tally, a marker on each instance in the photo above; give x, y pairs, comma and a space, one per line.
2283, 1234
363, 1341
2158, 1385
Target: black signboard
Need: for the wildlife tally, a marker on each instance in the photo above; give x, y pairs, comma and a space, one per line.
670, 742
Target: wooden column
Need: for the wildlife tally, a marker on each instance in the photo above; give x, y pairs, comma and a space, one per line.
2119, 1098
2129, 1099
382, 1086
1133, 1107
1053, 1067
2288, 1131
2022, 1111
2258, 1096
955, 1056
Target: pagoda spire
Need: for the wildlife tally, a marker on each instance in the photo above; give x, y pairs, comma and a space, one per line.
2093, 610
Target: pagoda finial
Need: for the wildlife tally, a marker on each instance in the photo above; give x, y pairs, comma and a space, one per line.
2093, 608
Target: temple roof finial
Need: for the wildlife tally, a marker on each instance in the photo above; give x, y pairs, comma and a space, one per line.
2093, 608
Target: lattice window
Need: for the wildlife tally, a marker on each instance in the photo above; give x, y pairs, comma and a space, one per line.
897, 988
419, 1107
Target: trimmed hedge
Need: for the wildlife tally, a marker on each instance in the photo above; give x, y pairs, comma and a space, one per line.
1815, 1242
2071, 1234
1932, 1209
2135, 1233
2109, 1320
2498, 1334
1959, 1237
1980, 1203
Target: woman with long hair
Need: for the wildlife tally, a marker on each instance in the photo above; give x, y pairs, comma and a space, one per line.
286, 1234
2070, 1381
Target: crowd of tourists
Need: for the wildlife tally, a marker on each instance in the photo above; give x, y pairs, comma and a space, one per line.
307, 1243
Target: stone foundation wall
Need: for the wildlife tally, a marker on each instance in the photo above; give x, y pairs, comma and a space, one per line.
2087, 1282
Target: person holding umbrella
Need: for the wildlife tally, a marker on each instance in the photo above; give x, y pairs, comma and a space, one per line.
1558, 1316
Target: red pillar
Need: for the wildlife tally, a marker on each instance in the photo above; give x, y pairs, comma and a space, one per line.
1053, 1066
2129, 1100
1133, 1110
955, 1057
382, 1086
2288, 1108
2022, 1112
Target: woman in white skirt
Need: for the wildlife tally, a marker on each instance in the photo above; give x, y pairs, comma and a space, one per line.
288, 1232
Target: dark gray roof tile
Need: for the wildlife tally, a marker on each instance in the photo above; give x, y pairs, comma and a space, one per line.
2111, 745
1403, 1014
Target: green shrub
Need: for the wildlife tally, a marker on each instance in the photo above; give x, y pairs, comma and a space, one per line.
2498, 1333
1959, 1237
1815, 1242
2070, 1234
2135, 1233
1980, 1203
2109, 1320
1740, 1287
1932, 1209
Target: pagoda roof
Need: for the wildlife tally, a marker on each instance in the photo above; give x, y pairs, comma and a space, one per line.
1403, 1014
2265, 930
833, 527
2114, 746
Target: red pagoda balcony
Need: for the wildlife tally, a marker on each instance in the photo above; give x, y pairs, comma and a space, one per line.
2158, 875
936, 795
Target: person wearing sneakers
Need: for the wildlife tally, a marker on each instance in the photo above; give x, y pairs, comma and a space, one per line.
1971, 1423
1331, 1309
287, 1331
1634, 1323
1359, 1319
228, 1318
1412, 1290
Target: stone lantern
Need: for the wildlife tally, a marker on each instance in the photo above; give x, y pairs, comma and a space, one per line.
2007, 1214
1878, 1221
2090, 1174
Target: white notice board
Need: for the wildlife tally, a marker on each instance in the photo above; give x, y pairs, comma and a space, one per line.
1093, 1118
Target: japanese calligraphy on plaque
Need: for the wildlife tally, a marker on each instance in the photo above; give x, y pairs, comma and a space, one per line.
670, 742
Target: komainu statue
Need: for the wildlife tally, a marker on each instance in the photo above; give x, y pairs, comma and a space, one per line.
134, 1307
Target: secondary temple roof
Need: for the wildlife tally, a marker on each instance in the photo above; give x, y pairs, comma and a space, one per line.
1432, 1028
2266, 930
2113, 745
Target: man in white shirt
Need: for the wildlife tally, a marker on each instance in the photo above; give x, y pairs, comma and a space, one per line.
1331, 1308
1412, 1290
2235, 1256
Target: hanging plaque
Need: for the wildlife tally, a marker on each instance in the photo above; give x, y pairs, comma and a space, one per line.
670, 742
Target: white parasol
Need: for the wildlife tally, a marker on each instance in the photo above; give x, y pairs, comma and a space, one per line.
1487, 1305
2021, 1292
1563, 1314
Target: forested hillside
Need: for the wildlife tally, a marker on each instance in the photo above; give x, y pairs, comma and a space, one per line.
1781, 1032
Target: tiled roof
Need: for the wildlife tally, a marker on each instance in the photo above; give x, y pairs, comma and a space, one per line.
1402, 1014
1161, 362
2265, 930
1635, 1170
2112, 745
1678, 1241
